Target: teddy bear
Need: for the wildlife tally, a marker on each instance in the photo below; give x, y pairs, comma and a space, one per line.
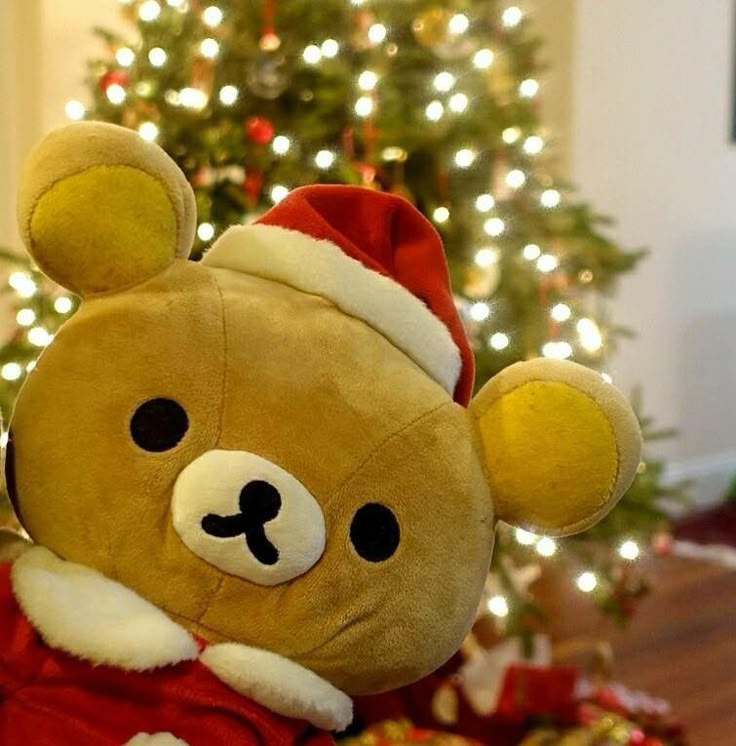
258, 485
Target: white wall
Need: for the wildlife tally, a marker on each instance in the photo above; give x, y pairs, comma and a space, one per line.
652, 107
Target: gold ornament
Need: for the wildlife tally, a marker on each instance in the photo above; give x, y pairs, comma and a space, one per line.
432, 30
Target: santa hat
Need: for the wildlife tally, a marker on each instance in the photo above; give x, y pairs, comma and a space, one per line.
375, 256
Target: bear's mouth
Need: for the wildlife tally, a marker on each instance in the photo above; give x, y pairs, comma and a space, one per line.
259, 502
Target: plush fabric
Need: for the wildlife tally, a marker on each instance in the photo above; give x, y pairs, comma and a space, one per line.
324, 402
100, 209
322, 268
12, 545
387, 234
561, 445
52, 698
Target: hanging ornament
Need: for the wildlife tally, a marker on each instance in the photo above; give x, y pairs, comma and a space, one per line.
114, 77
268, 75
259, 129
253, 185
433, 29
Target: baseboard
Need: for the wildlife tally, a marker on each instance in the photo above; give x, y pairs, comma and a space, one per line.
710, 476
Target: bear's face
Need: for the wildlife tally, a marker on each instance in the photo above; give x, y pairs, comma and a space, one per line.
258, 462
376, 483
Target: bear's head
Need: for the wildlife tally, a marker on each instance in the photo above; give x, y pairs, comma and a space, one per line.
274, 446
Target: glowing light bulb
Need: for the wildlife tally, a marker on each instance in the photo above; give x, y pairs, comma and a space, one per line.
458, 24
377, 33
39, 337
11, 371
550, 198
324, 159
193, 98
75, 110
175, 3
229, 95
312, 54
30, 366
533, 145
367, 80
465, 158
206, 231
279, 192
483, 59
590, 335
441, 215
116, 94
494, 227
125, 56
486, 257
529, 88
149, 11
480, 311
281, 145
212, 16
484, 203
557, 350
330, 48
63, 304
209, 48
458, 103
444, 81
434, 111
547, 263
531, 252
512, 17
561, 312
148, 131
587, 582
157, 57
26, 316
516, 178
510, 135
629, 550
499, 341
4, 439
364, 106
498, 606
23, 284
546, 546
525, 538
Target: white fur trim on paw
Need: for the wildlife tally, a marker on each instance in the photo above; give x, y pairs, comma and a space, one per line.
80, 611
321, 268
279, 684
156, 739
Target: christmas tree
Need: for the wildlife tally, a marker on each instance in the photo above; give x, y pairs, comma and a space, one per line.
435, 101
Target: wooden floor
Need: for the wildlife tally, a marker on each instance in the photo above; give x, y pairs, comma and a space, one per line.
681, 645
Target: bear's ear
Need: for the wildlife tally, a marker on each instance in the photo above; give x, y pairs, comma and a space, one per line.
560, 444
101, 209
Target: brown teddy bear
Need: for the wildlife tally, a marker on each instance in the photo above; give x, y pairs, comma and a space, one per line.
256, 485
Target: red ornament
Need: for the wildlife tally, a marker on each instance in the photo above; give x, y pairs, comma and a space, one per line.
111, 77
260, 130
637, 738
253, 185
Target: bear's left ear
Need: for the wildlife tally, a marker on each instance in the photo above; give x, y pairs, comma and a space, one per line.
560, 444
101, 209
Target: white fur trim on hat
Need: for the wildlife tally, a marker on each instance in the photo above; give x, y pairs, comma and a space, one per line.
280, 685
80, 611
320, 267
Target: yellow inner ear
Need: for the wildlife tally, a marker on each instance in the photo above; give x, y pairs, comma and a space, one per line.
107, 228
552, 456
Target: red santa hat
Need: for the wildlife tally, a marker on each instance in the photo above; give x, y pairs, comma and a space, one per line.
375, 256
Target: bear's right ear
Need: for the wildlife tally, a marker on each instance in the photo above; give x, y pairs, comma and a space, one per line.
101, 209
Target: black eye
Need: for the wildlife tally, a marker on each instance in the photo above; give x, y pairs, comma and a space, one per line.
375, 532
159, 424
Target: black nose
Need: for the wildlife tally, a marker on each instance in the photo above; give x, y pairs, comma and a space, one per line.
260, 502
